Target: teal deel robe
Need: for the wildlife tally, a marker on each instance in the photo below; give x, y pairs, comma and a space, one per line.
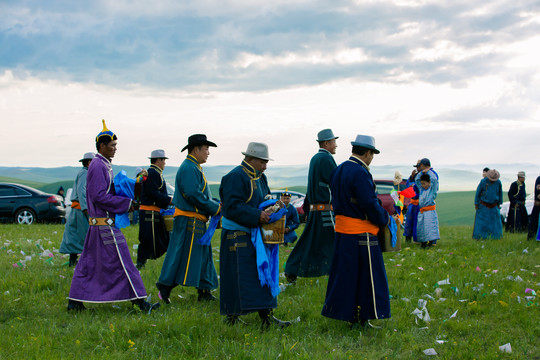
186, 262
313, 252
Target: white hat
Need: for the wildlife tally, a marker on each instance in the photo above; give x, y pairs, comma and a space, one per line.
158, 154
257, 150
87, 156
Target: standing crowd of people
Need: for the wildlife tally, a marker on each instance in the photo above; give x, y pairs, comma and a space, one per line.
488, 222
340, 238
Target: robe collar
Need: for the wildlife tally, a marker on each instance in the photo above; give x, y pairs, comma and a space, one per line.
324, 150
157, 168
356, 159
250, 170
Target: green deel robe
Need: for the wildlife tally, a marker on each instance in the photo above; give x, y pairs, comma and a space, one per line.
312, 255
186, 262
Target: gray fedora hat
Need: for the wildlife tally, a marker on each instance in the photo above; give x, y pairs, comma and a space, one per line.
87, 156
257, 150
325, 135
365, 141
158, 154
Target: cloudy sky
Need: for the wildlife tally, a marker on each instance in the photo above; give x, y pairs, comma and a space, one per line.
456, 81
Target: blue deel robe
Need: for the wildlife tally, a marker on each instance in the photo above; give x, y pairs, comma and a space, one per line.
518, 218
357, 285
411, 219
153, 235
488, 199
427, 227
241, 191
187, 262
77, 222
430, 222
292, 221
312, 254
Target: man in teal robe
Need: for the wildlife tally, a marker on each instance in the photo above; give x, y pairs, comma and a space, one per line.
312, 255
187, 262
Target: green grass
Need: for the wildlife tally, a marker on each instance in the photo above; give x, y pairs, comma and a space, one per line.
34, 322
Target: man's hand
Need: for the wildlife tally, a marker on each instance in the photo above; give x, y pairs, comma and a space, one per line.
264, 218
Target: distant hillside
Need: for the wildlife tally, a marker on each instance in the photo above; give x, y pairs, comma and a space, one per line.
452, 178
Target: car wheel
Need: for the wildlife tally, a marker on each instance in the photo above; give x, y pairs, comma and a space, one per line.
25, 216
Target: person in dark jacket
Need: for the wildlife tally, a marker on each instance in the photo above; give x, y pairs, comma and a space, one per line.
153, 236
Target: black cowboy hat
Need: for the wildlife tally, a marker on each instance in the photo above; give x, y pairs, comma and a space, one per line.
197, 140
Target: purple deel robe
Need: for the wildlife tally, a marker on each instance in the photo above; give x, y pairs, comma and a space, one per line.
105, 271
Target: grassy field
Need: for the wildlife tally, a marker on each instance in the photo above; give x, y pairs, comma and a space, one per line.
492, 308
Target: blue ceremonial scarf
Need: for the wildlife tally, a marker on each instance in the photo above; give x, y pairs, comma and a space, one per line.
268, 254
123, 186
207, 237
393, 230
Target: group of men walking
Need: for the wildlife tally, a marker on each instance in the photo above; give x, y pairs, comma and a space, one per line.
339, 240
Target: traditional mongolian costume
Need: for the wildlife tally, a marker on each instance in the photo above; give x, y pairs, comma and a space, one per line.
488, 199
153, 235
411, 219
292, 221
188, 262
518, 218
105, 272
77, 222
241, 191
357, 286
427, 228
312, 255
535, 213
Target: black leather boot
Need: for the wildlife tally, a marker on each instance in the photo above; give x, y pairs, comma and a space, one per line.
73, 259
145, 305
164, 292
76, 306
268, 319
205, 295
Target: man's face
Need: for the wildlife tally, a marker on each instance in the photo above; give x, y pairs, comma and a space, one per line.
285, 200
484, 173
425, 184
259, 164
201, 153
521, 179
108, 150
160, 163
330, 145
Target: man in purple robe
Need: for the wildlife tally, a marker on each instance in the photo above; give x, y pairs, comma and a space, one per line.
105, 272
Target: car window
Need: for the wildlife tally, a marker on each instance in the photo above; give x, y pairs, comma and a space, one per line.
21, 192
7, 191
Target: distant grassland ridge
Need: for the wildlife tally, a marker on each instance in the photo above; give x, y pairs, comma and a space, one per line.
453, 208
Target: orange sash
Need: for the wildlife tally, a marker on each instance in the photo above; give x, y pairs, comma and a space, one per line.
427, 208
149, 208
75, 205
415, 201
349, 225
178, 212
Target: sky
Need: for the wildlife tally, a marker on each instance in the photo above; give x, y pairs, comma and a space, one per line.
455, 81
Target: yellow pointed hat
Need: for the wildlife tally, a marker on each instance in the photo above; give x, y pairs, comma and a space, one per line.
105, 132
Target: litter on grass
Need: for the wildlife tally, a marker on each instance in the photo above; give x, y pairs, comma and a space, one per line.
430, 351
506, 348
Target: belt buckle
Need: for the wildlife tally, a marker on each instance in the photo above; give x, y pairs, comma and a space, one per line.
320, 207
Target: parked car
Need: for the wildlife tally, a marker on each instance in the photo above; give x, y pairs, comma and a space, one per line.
384, 188
297, 200
529, 204
26, 205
